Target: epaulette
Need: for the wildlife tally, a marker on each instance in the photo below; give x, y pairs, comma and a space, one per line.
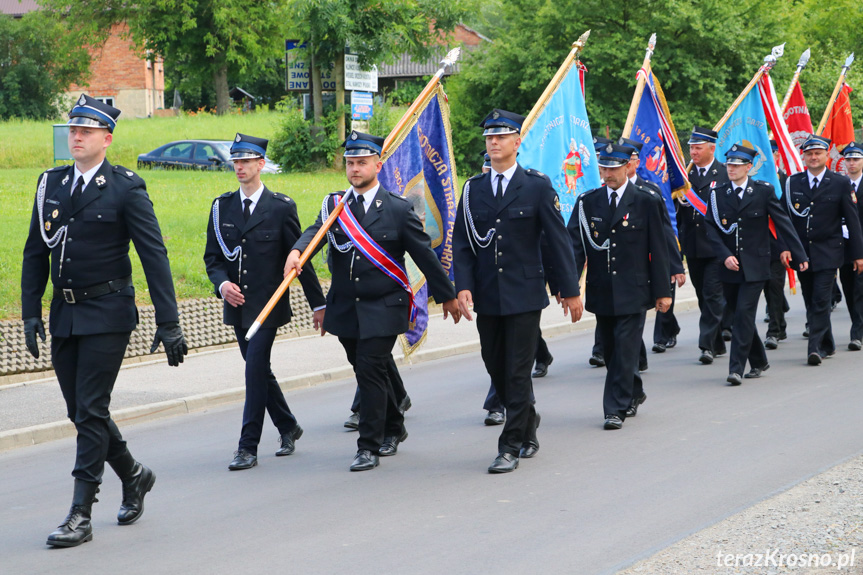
125, 172
395, 195
535, 173
223, 196
476, 176
591, 191
282, 197
58, 168
645, 189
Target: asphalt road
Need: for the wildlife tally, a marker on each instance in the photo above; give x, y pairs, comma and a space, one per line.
592, 501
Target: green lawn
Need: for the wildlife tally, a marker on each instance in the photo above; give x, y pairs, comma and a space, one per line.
182, 202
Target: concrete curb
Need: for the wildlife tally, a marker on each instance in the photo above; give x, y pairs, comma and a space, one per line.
27, 436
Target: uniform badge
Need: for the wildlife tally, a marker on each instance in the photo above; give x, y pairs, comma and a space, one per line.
596, 234
556, 203
496, 115
55, 213
592, 225
100, 180
625, 223
130, 174
724, 222
354, 136
713, 171
82, 100
797, 206
748, 190
65, 180
713, 183
47, 226
237, 138
378, 203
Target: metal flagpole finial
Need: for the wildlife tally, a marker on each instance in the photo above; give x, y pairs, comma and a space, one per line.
775, 54
451, 57
582, 40
804, 59
849, 61
651, 44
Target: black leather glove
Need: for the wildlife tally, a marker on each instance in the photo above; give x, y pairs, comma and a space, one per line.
171, 335
32, 326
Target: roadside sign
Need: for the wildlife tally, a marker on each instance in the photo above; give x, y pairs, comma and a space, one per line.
298, 69
358, 79
362, 105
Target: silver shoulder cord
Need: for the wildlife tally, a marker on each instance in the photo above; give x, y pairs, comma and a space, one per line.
236, 254
60, 235
804, 213
606, 245
325, 214
470, 228
732, 229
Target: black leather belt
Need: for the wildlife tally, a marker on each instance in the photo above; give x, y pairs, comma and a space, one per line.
76, 295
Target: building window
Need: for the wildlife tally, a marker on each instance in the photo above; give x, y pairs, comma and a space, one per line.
106, 100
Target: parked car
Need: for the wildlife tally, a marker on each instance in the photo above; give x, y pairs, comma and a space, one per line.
196, 155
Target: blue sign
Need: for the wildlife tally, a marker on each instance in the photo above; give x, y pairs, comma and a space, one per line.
560, 145
362, 105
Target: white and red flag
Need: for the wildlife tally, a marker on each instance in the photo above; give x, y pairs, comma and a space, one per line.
840, 130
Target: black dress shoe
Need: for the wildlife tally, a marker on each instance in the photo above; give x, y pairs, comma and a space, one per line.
658, 347
541, 369
672, 341
504, 463
855, 345
390, 446
134, 490
596, 360
403, 407
632, 410
806, 331
771, 342
782, 336
642, 365
243, 460
495, 418
734, 379
612, 422
364, 461
706, 357
353, 422
756, 372
287, 441
528, 450
814, 359
726, 335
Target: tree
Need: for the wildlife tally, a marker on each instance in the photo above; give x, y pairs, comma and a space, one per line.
38, 60
214, 39
706, 53
375, 31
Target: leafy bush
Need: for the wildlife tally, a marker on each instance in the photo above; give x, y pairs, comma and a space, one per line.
302, 146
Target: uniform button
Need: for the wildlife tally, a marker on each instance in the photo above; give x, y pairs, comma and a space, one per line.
614, 245
244, 240
358, 258
497, 221
500, 237
71, 220
500, 253
614, 273
99, 216
500, 270
614, 259
245, 272
245, 256
68, 239
520, 213
356, 279
245, 286
68, 260
358, 299
614, 231
70, 281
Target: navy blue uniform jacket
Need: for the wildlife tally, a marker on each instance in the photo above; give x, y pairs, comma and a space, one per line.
751, 241
634, 273
266, 239
508, 277
113, 210
363, 302
690, 224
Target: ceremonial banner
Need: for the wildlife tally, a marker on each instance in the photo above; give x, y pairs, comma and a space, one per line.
661, 160
748, 126
559, 143
796, 116
789, 155
839, 129
419, 167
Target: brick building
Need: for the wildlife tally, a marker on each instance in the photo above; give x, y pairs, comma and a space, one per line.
119, 75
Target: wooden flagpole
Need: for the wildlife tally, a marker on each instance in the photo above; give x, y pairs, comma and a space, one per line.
448, 61
639, 87
577, 47
839, 82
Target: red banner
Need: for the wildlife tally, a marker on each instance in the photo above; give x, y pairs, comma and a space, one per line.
840, 129
796, 116
788, 155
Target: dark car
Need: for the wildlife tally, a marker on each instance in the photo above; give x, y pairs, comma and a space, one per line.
195, 155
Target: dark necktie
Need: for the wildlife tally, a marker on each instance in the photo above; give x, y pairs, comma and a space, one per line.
853, 187
739, 191
701, 172
360, 210
499, 194
612, 204
814, 185
78, 190
247, 210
